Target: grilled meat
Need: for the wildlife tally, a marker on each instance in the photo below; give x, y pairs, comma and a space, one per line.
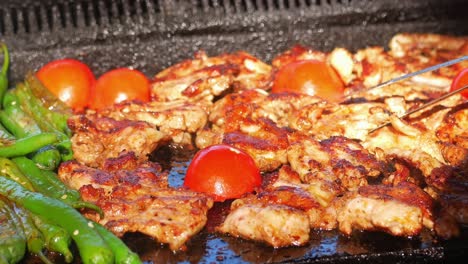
337, 159
97, 138
400, 210
324, 120
275, 224
204, 78
321, 165
453, 132
247, 120
135, 197
419, 51
177, 121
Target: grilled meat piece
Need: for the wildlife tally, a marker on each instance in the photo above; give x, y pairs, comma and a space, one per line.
418, 51
97, 138
176, 120
171, 216
136, 198
374, 65
394, 217
399, 210
120, 172
453, 132
337, 159
315, 198
241, 120
204, 78
324, 120
275, 224
321, 190
407, 193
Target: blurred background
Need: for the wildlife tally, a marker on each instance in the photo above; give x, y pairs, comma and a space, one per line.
153, 34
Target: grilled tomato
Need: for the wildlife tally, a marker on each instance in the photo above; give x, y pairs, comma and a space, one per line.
310, 77
459, 81
118, 85
68, 79
223, 172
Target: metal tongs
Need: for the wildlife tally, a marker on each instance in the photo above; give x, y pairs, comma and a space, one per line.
409, 75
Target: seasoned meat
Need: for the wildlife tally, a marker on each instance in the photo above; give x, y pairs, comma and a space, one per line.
324, 120
407, 193
315, 198
401, 210
418, 51
204, 78
136, 198
453, 132
177, 121
238, 121
322, 166
275, 224
321, 190
394, 217
336, 159
374, 65
97, 138
170, 216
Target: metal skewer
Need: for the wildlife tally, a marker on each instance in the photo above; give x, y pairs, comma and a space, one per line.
409, 75
426, 105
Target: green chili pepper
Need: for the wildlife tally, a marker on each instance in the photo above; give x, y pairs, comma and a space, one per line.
123, 255
28, 145
56, 238
47, 158
34, 239
4, 72
9, 98
46, 119
5, 137
46, 182
72, 195
92, 248
17, 121
8, 168
12, 238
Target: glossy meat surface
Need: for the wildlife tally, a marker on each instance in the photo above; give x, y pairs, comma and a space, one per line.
135, 197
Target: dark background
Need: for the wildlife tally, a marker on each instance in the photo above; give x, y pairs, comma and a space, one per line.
153, 34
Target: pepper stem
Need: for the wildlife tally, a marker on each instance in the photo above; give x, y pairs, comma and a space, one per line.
88, 205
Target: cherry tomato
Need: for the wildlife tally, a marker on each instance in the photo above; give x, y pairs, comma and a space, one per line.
459, 81
68, 79
311, 77
120, 85
223, 172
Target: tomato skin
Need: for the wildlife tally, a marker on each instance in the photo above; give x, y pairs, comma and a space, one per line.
223, 172
68, 79
460, 80
118, 85
310, 77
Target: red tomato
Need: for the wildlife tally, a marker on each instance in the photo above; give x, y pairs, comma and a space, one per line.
120, 85
68, 79
311, 77
223, 172
459, 81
